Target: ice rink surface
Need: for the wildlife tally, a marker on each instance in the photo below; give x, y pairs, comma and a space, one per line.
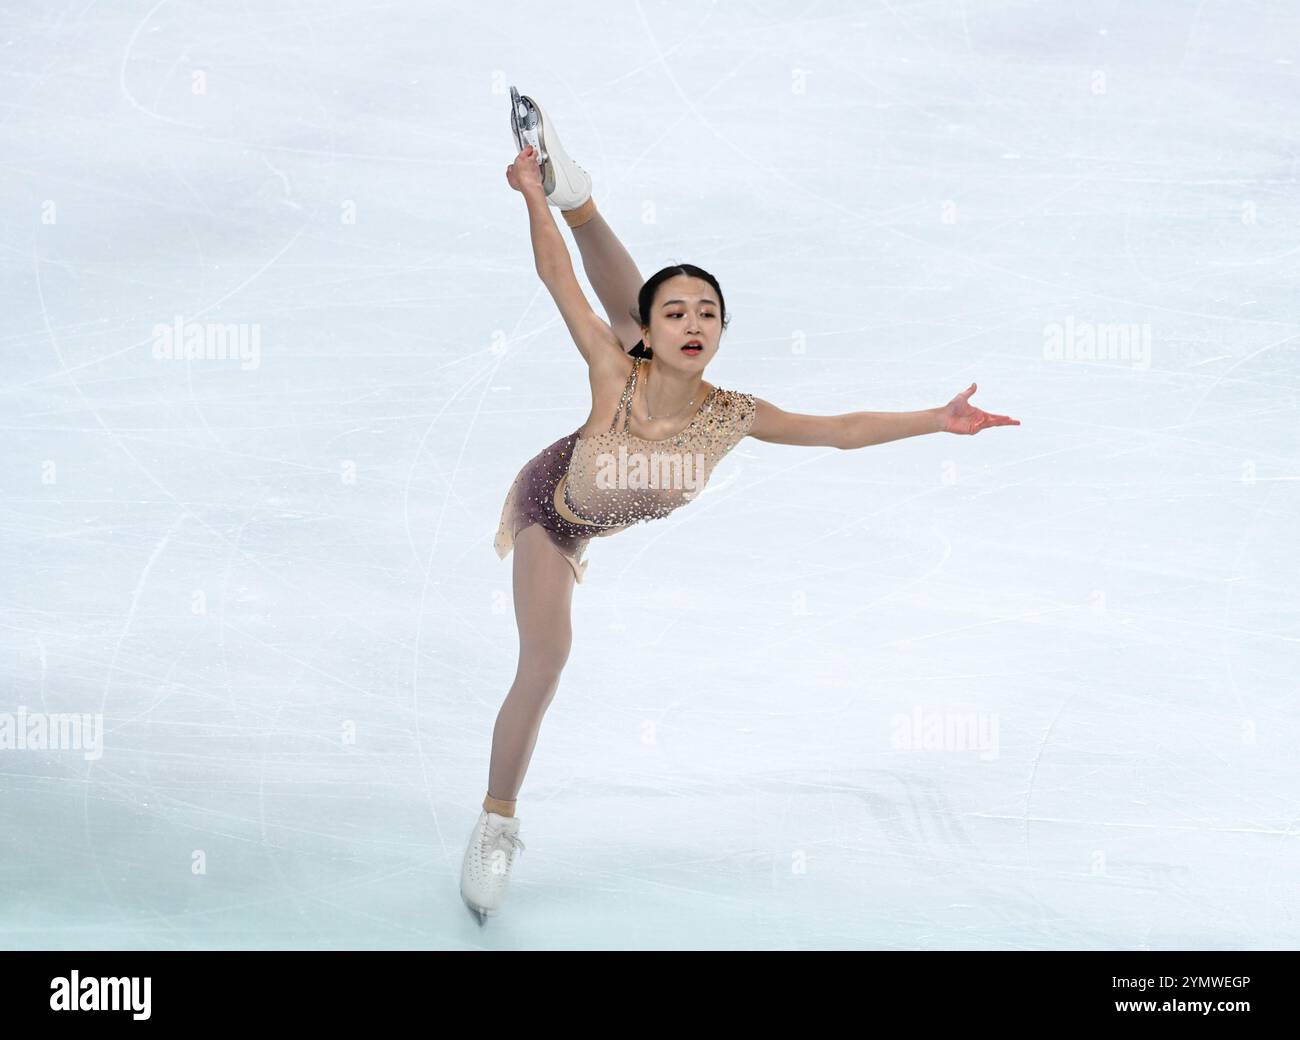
271, 575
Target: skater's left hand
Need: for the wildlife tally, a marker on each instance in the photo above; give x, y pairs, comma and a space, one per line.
960, 416
524, 173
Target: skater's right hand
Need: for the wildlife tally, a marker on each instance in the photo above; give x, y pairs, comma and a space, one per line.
524, 174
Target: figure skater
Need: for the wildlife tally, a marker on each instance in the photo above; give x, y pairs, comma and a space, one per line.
655, 432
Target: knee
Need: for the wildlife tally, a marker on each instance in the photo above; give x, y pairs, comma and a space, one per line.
543, 665
546, 669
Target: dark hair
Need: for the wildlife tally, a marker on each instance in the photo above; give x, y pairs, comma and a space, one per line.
646, 298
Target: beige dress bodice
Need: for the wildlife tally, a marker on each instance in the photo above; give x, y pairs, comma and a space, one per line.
616, 479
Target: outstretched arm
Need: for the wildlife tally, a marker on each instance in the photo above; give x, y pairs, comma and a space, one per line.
861, 429
592, 335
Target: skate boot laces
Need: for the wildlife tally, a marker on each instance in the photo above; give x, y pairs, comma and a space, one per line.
498, 837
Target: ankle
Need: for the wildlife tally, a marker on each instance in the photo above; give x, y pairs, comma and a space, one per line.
500, 806
579, 215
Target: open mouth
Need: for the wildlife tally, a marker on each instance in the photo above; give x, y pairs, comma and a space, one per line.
692, 348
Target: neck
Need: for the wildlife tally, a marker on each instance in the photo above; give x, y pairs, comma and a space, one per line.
668, 389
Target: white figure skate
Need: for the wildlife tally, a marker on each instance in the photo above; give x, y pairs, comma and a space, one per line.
489, 856
567, 185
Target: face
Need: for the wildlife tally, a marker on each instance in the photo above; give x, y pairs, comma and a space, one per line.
684, 309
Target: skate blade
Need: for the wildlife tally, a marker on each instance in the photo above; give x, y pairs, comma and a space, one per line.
524, 119
526, 124
480, 916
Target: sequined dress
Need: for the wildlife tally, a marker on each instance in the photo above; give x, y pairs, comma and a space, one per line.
581, 488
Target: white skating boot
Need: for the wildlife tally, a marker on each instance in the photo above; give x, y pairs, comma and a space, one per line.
567, 185
488, 858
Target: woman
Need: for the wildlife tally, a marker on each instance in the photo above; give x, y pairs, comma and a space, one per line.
655, 431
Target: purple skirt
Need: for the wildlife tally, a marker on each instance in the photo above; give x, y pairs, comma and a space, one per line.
532, 501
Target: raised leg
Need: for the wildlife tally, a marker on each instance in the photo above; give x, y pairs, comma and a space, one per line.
613, 274
543, 592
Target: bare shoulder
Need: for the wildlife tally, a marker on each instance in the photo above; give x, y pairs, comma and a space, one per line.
609, 364
607, 373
